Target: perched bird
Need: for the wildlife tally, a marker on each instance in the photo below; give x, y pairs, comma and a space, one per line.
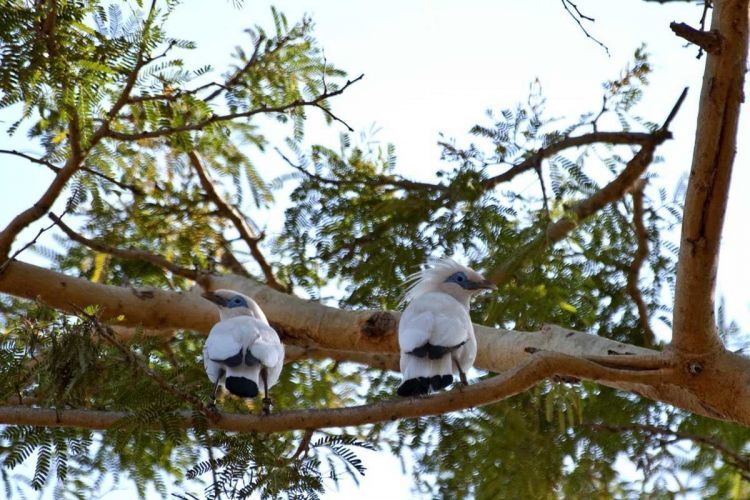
435, 333
242, 350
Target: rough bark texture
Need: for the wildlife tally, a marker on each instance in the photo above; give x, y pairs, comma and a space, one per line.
309, 324
694, 330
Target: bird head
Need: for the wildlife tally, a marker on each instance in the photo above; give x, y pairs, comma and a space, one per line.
232, 304
447, 276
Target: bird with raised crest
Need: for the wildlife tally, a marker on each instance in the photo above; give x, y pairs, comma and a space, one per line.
242, 351
435, 333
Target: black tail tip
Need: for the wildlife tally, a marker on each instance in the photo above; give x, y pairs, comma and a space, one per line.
439, 382
414, 387
241, 386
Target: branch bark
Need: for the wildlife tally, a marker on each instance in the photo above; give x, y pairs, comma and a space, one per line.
694, 325
246, 233
641, 253
307, 323
613, 191
128, 253
623, 138
524, 376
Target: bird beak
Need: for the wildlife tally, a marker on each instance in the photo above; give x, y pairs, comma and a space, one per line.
216, 299
486, 285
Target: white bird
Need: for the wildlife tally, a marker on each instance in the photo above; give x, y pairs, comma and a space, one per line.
242, 348
435, 333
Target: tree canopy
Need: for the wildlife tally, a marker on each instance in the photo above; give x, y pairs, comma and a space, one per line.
101, 379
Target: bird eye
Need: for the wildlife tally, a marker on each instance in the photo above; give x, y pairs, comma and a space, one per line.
459, 278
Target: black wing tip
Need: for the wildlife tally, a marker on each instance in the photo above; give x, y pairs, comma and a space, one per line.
433, 351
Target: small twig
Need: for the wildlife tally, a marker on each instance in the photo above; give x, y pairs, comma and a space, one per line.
577, 17
304, 445
710, 41
263, 109
334, 117
107, 334
31, 243
538, 170
55, 168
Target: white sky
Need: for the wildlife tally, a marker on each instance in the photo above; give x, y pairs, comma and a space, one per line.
436, 66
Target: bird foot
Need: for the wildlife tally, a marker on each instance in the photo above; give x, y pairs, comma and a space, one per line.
267, 403
566, 379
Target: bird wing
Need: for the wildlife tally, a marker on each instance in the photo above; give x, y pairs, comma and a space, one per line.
269, 350
226, 341
436, 318
267, 346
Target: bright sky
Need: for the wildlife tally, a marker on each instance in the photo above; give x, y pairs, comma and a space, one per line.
436, 66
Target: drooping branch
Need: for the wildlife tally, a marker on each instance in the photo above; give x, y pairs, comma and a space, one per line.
694, 324
202, 124
128, 253
533, 370
641, 253
238, 219
619, 138
613, 191
734, 458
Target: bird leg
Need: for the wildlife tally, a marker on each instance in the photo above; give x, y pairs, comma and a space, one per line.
461, 374
216, 389
266, 400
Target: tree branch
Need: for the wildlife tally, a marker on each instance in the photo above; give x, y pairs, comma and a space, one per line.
736, 459
615, 190
130, 187
308, 323
710, 41
641, 253
524, 376
627, 138
233, 214
129, 253
231, 116
578, 17
694, 324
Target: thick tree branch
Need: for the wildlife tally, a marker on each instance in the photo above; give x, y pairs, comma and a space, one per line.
694, 324
308, 323
641, 253
238, 219
524, 376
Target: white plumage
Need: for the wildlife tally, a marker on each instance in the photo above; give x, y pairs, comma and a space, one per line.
242, 352
436, 336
